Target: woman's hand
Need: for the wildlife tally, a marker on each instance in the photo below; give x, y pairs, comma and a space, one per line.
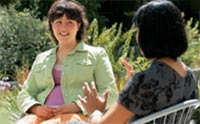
92, 101
128, 68
67, 108
42, 111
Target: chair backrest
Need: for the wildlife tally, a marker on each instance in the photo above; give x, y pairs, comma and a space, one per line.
180, 113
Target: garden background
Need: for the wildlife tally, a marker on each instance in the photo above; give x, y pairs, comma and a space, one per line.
23, 35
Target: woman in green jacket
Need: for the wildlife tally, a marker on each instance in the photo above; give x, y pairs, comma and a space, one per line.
57, 75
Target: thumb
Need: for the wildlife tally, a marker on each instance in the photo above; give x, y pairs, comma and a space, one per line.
105, 95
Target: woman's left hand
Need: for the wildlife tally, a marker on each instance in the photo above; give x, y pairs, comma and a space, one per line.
128, 67
60, 110
92, 101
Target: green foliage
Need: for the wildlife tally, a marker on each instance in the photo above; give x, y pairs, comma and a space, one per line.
22, 37
192, 55
39, 8
117, 45
32, 6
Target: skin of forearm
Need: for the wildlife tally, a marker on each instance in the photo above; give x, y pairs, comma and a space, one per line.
73, 108
33, 108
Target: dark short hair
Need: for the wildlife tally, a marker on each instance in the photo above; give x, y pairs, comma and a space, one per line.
73, 10
161, 30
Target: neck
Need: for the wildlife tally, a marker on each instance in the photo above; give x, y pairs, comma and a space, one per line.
66, 48
164, 59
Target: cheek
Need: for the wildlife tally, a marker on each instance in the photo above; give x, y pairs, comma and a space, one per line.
76, 28
55, 29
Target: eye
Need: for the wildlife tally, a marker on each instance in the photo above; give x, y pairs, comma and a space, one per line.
58, 22
70, 22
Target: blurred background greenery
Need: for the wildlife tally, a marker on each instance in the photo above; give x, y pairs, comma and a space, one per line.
107, 12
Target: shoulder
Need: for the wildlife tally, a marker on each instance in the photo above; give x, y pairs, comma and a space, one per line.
147, 74
93, 49
44, 55
143, 78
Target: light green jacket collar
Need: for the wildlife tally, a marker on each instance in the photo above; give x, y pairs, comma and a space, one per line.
81, 47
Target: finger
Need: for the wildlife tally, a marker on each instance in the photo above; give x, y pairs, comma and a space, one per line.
57, 110
49, 115
82, 100
46, 114
126, 64
86, 89
85, 92
43, 117
105, 95
94, 90
130, 74
48, 109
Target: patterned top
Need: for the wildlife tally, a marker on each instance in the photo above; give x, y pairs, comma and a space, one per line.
156, 88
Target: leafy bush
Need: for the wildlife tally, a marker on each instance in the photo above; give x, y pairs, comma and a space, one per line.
192, 55
117, 44
22, 37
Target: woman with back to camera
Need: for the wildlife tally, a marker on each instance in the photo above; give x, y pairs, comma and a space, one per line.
57, 75
162, 38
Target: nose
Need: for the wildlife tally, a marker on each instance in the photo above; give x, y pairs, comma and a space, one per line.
63, 27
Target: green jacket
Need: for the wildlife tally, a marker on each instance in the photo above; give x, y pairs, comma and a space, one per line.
85, 63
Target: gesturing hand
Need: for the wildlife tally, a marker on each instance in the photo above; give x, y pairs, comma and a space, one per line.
128, 68
92, 101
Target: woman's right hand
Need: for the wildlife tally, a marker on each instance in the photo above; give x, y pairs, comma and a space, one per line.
42, 111
92, 101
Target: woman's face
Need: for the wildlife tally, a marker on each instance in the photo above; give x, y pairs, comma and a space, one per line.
65, 29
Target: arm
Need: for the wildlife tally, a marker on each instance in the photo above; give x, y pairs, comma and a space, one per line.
104, 77
26, 98
116, 114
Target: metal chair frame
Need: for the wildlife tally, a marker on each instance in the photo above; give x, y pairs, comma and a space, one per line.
189, 104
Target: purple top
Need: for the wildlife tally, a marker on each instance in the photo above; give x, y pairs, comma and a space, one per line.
55, 97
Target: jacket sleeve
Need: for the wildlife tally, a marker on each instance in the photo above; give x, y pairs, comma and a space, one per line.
104, 77
27, 96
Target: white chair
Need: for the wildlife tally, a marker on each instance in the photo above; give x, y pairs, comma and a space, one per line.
178, 114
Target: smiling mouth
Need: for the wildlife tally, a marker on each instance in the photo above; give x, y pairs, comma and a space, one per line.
64, 34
